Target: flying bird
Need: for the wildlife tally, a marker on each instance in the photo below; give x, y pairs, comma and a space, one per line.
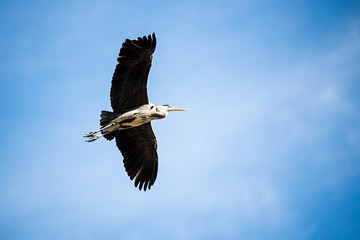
130, 121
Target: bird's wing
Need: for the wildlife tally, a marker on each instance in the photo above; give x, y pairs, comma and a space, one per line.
129, 83
138, 146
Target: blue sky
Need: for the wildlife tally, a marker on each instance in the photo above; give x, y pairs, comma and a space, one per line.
269, 149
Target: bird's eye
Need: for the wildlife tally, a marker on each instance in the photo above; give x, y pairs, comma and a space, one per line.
151, 107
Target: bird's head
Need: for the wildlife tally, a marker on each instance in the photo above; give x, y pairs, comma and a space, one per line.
168, 108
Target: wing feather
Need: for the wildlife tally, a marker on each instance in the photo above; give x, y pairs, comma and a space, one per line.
138, 146
129, 83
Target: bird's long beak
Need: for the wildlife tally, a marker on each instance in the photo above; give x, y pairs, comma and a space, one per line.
177, 109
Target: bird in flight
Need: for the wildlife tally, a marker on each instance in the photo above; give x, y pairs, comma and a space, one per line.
130, 121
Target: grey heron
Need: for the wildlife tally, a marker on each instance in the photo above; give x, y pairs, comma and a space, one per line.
130, 121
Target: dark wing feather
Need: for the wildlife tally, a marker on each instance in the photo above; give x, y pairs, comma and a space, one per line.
138, 146
129, 83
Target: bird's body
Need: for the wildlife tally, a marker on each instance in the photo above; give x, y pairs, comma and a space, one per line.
133, 118
129, 123
112, 122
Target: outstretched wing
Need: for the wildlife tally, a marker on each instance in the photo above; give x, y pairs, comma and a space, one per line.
129, 83
138, 146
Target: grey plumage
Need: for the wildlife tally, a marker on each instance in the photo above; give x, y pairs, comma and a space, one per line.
129, 123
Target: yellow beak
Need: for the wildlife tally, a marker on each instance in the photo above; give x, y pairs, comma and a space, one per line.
177, 109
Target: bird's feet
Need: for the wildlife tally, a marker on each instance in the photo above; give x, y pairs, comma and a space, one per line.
92, 136
89, 135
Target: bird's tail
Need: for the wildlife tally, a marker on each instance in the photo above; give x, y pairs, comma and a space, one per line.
105, 118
